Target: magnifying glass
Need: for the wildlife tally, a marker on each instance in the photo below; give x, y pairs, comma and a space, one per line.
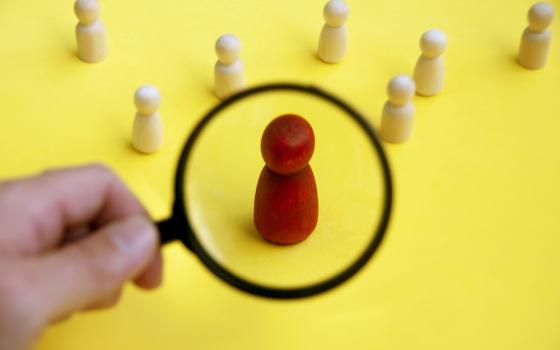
217, 176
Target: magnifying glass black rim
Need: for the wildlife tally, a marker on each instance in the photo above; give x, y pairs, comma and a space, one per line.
181, 222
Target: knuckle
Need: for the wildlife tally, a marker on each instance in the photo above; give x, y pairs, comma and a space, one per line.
97, 169
47, 173
51, 174
100, 168
103, 173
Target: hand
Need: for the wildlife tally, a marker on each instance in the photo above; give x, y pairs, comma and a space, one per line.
69, 240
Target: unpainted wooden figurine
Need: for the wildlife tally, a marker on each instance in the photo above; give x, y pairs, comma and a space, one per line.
229, 76
333, 42
398, 112
90, 32
430, 69
147, 132
536, 38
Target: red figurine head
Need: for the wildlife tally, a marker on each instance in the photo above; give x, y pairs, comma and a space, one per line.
287, 144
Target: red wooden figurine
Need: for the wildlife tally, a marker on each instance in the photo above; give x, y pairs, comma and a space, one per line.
286, 205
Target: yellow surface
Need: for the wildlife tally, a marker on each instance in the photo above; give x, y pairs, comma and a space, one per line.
471, 259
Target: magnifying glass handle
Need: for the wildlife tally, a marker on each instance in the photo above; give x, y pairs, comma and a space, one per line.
167, 231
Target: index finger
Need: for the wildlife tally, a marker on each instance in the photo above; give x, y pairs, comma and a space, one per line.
37, 212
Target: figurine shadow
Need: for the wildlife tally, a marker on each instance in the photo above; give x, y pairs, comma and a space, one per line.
68, 56
128, 144
71, 53
65, 45
512, 58
248, 227
309, 44
210, 91
508, 52
126, 140
315, 56
511, 63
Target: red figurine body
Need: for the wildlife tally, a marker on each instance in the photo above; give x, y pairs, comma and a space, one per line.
286, 204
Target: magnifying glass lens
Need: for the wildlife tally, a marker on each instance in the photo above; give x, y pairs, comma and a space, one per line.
221, 180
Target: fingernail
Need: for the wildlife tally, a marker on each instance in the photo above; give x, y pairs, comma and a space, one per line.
136, 233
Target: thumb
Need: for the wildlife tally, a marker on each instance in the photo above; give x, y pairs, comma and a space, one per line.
95, 267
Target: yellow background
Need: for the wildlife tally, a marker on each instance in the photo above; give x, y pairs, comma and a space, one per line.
471, 258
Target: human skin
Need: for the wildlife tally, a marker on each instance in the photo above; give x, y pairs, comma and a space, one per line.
69, 241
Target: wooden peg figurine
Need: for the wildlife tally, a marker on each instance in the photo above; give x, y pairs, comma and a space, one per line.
90, 32
228, 71
398, 112
536, 38
333, 42
147, 132
286, 204
430, 70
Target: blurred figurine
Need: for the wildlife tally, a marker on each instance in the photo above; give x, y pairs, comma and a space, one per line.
90, 32
333, 42
430, 70
147, 132
398, 112
535, 41
228, 71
